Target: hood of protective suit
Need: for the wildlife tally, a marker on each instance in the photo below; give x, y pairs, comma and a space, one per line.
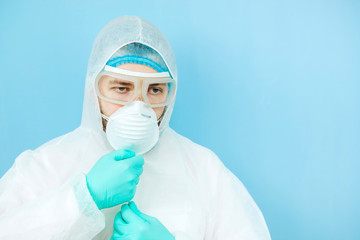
116, 34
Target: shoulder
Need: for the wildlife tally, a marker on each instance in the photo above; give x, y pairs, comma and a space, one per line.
56, 160
199, 153
63, 151
58, 144
72, 144
74, 137
186, 143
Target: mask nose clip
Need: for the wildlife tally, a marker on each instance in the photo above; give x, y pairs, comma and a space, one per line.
146, 116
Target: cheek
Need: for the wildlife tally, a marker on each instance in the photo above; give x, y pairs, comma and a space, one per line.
158, 111
108, 108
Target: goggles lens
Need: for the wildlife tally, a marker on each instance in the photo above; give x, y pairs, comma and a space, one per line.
123, 87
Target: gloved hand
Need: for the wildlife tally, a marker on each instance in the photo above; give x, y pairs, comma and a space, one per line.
131, 224
113, 179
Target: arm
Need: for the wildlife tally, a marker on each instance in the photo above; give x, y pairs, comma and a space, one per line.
233, 214
34, 206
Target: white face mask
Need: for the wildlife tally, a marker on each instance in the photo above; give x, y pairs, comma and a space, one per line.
133, 127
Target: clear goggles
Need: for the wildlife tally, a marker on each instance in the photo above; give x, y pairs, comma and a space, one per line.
121, 86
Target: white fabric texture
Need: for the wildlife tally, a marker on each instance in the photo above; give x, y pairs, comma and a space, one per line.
44, 194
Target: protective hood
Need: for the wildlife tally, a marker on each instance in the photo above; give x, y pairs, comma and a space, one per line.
116, 34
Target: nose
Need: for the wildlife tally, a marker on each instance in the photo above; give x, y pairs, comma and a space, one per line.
139, 96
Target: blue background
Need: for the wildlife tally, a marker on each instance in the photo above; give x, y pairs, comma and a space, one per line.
271, 86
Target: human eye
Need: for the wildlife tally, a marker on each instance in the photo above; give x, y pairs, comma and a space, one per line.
121, 89
156, 89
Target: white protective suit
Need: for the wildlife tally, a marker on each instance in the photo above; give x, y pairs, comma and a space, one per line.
44, 194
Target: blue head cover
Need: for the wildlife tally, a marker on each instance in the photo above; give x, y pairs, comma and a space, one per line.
138, 53
117, 61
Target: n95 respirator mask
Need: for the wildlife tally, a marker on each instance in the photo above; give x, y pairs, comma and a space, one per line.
133, 127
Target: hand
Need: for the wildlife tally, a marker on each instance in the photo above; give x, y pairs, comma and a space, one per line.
131, 224
113, 179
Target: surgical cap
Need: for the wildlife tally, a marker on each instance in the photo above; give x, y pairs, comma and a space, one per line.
138, 53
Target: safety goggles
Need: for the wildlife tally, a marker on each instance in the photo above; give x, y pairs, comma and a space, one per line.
121, 86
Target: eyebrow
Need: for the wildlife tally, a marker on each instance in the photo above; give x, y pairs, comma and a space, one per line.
157, 84
115, 81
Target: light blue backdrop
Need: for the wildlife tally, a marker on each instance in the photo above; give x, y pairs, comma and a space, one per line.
271, 86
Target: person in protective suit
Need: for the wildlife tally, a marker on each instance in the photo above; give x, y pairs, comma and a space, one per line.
124, 173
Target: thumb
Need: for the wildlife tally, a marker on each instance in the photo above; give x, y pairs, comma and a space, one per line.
134, 208
122, 154
129, 216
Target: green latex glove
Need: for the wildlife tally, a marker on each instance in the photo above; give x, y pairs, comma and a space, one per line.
113, 179
131, 224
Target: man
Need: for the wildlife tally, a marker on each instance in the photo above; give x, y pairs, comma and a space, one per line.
78, 186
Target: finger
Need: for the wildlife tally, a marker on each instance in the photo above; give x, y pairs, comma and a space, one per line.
129, 216
122, 154
119, 234
136, 161
138, 171
115, 237
118, 220
120, 230
137, 180
135, 209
